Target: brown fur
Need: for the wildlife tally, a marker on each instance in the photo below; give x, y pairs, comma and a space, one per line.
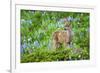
62, 37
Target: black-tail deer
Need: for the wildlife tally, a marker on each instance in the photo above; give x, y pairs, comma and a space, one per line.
62, 36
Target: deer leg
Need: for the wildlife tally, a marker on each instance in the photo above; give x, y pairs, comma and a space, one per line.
65, 44
55, 44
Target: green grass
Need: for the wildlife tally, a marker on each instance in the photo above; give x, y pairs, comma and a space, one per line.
55, 55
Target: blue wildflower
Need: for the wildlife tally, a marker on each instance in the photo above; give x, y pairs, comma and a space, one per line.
36, 44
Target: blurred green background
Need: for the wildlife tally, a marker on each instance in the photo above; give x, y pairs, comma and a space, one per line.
37, 28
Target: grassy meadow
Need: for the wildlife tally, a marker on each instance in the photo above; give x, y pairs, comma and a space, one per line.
37, 28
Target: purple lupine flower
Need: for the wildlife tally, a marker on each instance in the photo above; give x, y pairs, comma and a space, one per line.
36, 44
69, 18
76, 19
23, 46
